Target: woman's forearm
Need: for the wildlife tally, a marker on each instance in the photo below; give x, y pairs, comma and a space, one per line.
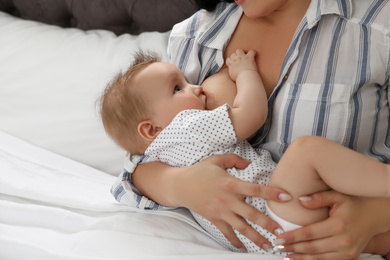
181, 187
155, 181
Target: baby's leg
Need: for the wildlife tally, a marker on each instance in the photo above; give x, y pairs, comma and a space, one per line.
313, 164
298, 177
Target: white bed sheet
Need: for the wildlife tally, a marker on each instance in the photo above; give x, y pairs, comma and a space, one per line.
54, 208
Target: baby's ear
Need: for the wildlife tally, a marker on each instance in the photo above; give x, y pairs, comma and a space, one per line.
148, 130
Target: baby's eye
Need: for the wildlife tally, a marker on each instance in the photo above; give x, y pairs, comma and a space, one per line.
176, 89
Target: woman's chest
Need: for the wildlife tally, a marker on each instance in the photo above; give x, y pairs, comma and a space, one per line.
270, 44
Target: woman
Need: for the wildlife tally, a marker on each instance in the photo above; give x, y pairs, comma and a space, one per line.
325, 69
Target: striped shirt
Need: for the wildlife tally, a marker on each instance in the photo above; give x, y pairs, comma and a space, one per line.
334, 80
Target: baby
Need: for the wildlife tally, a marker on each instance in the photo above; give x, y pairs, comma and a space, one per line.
152, 110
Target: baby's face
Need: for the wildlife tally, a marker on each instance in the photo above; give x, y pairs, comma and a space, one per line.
167, 92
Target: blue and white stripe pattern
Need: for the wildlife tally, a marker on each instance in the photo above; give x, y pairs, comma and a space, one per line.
124, 190
334, 81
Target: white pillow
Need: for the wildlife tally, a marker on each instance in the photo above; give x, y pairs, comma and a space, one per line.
50, 78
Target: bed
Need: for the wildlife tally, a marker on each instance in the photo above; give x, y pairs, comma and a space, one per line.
56, 162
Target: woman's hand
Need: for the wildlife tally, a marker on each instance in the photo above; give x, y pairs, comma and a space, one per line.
353, 221
212, 193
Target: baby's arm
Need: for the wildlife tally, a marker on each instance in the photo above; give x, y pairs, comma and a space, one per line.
249, 110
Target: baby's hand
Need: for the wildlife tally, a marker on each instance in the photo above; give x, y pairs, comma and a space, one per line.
239, 61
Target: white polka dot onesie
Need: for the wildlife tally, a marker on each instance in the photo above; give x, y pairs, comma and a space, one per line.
194, 135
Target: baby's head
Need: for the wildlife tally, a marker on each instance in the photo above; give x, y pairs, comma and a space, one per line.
138, 104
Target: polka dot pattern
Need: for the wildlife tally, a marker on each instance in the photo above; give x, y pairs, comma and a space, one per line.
195, 135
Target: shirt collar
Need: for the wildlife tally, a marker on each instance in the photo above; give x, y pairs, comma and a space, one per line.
225, 20
318, 8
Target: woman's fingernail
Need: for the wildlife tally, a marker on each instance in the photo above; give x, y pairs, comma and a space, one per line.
279, 248
284, 197
280, 241
267, 248
305, 198
288, 258
279, 231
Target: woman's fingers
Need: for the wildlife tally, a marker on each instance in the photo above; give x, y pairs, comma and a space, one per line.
322, 200
324, 240
335, 249
311, 232
229, 161
326, 256
253, 215
228, 209
342, 235
249, 232
295, 241
224, 203
246, 188
326, 228
229, 234
242, 227
262, 191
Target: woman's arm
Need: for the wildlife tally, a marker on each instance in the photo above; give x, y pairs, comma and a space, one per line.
353, 222
208, 190
154, 180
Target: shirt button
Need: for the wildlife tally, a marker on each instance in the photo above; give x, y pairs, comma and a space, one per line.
285, 77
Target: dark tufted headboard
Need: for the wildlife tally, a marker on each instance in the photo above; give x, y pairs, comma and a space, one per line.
119, 16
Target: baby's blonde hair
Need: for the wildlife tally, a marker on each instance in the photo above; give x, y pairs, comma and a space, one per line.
122, 107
